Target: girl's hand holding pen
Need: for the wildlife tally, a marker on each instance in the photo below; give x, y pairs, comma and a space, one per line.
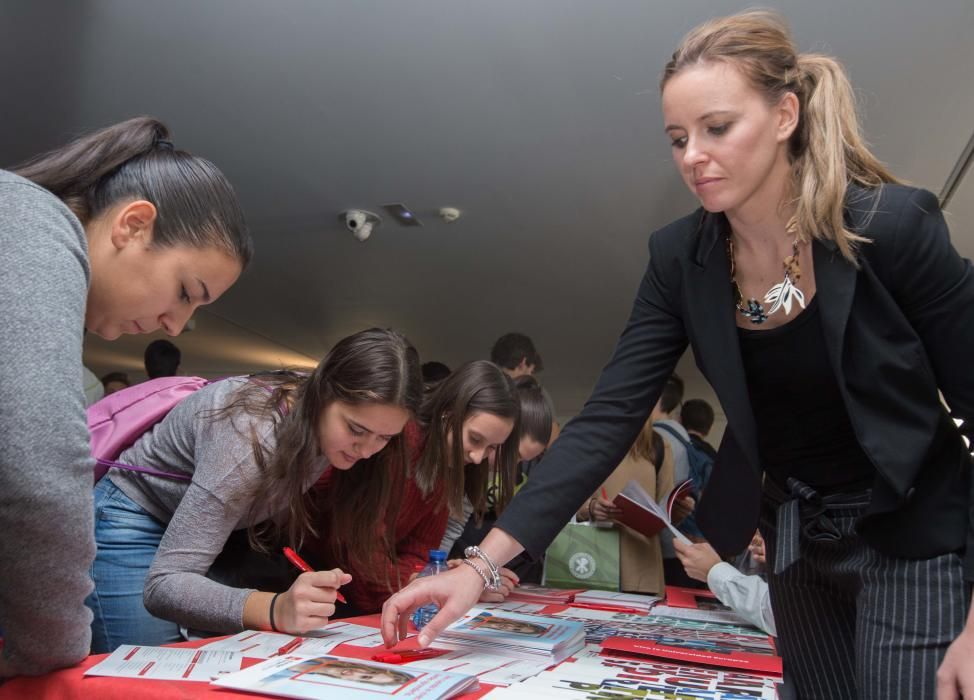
310, 601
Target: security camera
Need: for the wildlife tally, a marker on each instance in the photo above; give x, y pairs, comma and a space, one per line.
360, 222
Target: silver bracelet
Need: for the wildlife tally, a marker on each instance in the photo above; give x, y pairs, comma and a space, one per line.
495, 575
483, 574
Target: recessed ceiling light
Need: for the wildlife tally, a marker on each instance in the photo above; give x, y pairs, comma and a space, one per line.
402, 214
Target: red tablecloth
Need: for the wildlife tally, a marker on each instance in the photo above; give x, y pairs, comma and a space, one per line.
71, 684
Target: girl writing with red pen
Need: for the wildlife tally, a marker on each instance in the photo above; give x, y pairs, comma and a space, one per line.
466, 428
251, 448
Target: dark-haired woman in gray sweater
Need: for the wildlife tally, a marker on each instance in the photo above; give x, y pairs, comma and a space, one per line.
117, 232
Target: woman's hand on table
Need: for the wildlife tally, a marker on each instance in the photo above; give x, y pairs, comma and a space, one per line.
454, 592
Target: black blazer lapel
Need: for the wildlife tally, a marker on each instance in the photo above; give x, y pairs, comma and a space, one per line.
713, 333
728, 512
835, 285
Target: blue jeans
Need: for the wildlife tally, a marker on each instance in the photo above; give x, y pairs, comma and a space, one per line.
127, 538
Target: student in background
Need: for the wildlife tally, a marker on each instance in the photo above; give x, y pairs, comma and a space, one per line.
516, 355
669, 428
115, 381
251, 447
831, 378
466, 428
650, 463
162, 359
748, 596
433, 373
117, 232
697, 417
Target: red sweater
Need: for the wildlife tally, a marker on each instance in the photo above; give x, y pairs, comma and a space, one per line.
420, 527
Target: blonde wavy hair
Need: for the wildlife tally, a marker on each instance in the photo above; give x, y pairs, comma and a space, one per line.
827, 150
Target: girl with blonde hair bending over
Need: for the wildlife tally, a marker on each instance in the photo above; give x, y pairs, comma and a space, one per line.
827, 307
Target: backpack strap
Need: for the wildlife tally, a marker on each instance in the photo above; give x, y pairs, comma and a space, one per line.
659, 452
108, 464
672, 431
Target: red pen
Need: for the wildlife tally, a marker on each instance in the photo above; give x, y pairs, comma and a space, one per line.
604, 494
300, 563
609, 608
290, 646
401, 657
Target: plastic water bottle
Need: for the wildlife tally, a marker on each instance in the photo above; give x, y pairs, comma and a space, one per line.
436, 564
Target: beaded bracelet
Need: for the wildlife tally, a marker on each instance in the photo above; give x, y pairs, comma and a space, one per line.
483, 574
273, 600
495, 576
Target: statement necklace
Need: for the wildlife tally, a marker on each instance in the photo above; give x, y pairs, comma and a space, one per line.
779, 296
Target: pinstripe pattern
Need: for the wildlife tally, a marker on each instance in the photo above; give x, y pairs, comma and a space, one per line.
855, 623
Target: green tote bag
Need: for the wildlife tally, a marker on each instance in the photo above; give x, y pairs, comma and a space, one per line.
583, 556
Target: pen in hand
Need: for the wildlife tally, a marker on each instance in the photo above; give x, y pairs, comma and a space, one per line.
301, 564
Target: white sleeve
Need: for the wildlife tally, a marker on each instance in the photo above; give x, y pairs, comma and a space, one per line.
747, 595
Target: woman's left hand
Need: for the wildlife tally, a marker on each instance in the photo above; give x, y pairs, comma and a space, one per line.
509, 581
955, 677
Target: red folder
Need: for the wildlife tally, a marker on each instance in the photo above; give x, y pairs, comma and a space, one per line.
757, 663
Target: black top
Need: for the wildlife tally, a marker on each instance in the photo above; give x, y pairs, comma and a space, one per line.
803, 427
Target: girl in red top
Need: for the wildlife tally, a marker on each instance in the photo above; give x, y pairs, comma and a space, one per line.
466, 432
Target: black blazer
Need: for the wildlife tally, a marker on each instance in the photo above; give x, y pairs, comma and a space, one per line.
897, 329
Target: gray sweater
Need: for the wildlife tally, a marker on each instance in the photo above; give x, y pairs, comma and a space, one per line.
46, 525
216, 451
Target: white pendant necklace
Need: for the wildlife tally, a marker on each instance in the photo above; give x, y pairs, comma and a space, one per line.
780, 296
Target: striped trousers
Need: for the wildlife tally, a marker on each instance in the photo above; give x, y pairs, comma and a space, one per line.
853, 622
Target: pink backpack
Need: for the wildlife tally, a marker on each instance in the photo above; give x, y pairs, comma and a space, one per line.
119, 419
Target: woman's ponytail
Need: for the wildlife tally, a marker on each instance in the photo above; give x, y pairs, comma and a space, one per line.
828, 153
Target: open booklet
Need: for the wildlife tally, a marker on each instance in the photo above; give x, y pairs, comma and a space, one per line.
339, 678
646, 516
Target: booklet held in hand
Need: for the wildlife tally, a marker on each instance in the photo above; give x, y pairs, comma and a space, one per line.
646, 516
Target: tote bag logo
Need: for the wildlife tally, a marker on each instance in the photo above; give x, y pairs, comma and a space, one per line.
582, 565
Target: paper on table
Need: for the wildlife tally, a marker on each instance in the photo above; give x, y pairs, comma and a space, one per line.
722, 616
489, 668
346, 630
373, 640
514, 606
167, 663
264, 645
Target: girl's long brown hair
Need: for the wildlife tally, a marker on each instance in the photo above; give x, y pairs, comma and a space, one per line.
476, 387
371, 367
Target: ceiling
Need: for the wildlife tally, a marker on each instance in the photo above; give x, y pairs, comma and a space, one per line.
539, 119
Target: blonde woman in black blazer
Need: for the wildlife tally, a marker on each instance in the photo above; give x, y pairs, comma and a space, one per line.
826, 306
